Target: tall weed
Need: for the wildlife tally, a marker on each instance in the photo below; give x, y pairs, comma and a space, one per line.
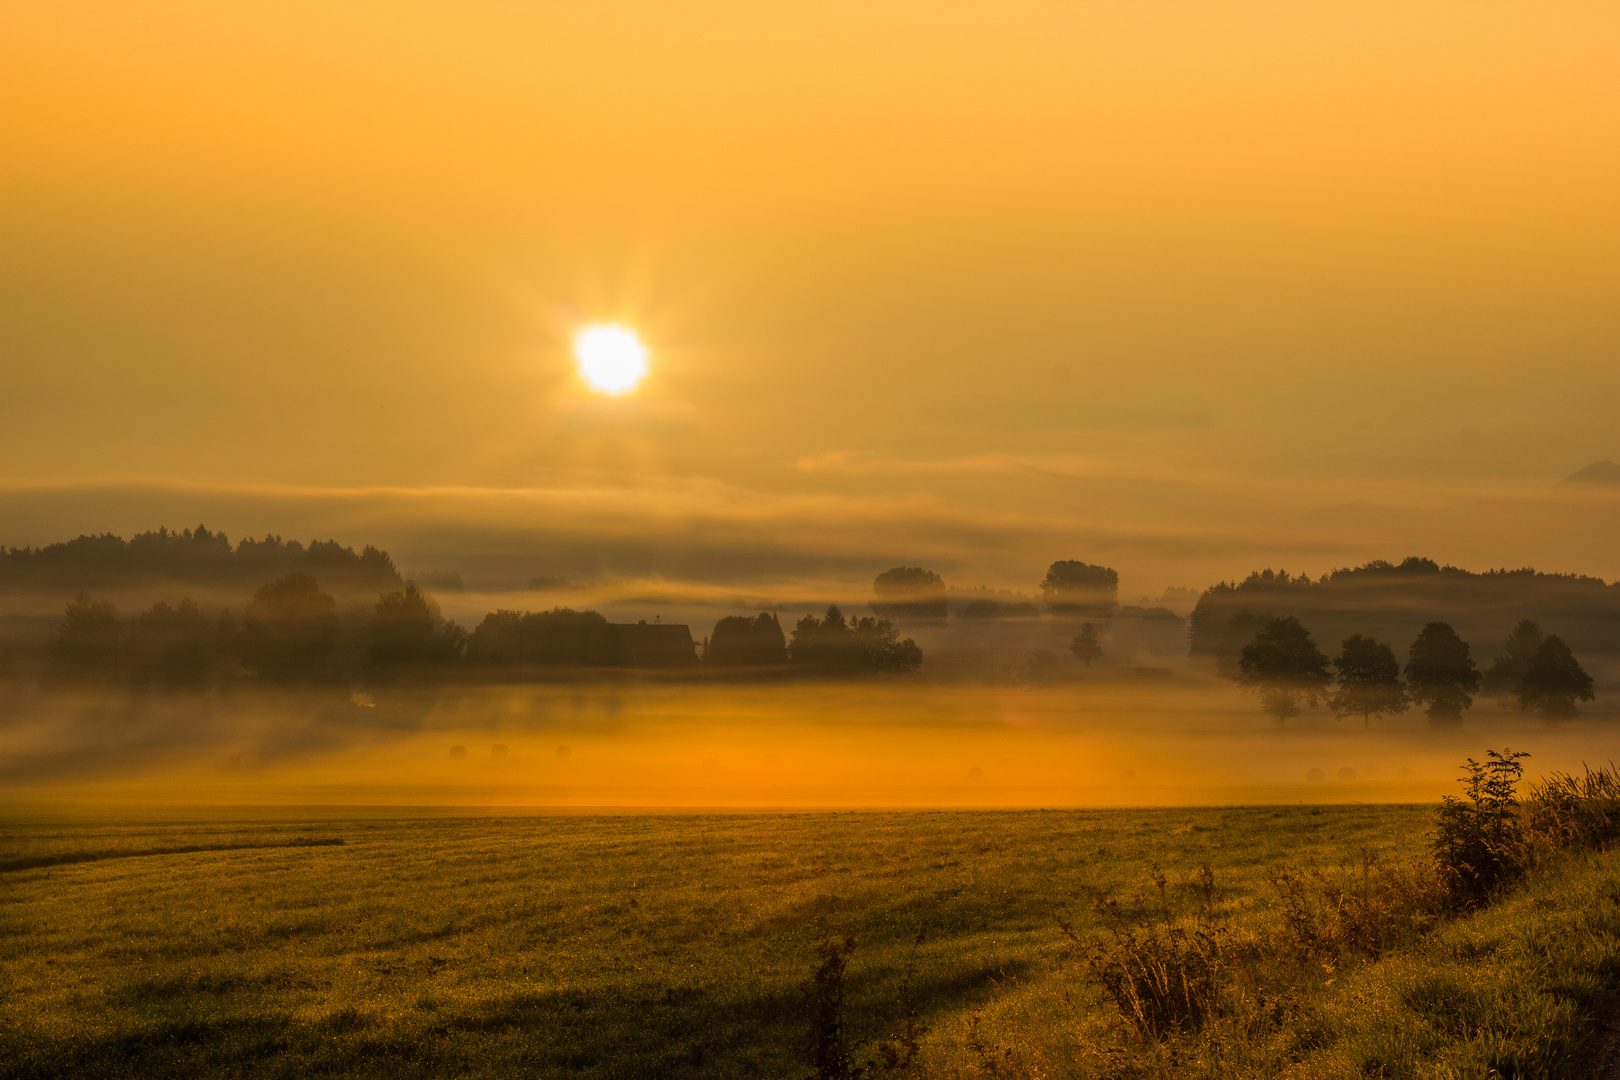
1165, 971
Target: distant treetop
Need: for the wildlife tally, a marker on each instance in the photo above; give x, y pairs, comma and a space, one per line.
910, 592
1074, 587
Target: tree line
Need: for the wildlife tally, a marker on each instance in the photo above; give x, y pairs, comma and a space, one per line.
1284, 667
291, 632
1387, 600
199, 556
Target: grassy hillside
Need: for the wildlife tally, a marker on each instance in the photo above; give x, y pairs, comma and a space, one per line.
642, 946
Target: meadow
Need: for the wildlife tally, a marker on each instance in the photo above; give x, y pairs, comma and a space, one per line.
432, 943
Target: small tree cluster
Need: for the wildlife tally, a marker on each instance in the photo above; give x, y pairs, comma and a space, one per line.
1283, 665
833, 643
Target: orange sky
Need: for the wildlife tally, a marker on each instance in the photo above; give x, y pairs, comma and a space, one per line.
1169, 274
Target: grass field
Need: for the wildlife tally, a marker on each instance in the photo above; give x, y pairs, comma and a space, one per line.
606, 946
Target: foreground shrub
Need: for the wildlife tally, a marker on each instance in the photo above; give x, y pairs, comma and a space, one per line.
1478, 842
1164, 973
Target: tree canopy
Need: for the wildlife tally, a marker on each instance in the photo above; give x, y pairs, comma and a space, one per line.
1506, 672
1369, 680
407, 631
865, 644
740, 641
1283, 665
1439, 672
290, 630
909, 592
1554, 680
1074, 587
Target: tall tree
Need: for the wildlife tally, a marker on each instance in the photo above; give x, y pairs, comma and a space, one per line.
290, 631
172, 647
406, 631
89, 645
1369, 680
1554, 680
1283, 665
909, 592
1506, 672
1086, 646
739, 641
1072, 587
1439, 672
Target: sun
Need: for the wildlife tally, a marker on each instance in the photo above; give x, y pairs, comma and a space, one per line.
611, 358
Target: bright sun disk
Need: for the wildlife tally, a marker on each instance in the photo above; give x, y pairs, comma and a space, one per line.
611, 358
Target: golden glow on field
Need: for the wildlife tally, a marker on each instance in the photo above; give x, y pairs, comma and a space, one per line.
611, 358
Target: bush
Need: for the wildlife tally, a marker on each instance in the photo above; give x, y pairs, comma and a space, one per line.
1478, 843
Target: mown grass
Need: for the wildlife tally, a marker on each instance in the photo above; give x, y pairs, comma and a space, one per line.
636, 946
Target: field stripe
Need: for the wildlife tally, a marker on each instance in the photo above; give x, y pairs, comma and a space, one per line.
36, 861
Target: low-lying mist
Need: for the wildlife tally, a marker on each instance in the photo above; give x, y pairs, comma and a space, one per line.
638, 743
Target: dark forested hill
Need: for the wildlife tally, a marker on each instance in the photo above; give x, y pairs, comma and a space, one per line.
1394, 602
196, 557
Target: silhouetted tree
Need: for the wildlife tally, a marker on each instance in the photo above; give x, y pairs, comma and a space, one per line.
910, 592
1369, 680
835, 644
89, 645
1554, 680
1440, 674
1086, 646
498, 639
1283, 665
980, 609
290, 631
172, 647
1506, 672
1072, 587
739, 641
407, 632
559, 636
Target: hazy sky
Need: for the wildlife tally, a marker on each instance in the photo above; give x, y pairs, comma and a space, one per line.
1163, 273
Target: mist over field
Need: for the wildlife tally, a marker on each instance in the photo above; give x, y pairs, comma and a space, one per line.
590, 745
